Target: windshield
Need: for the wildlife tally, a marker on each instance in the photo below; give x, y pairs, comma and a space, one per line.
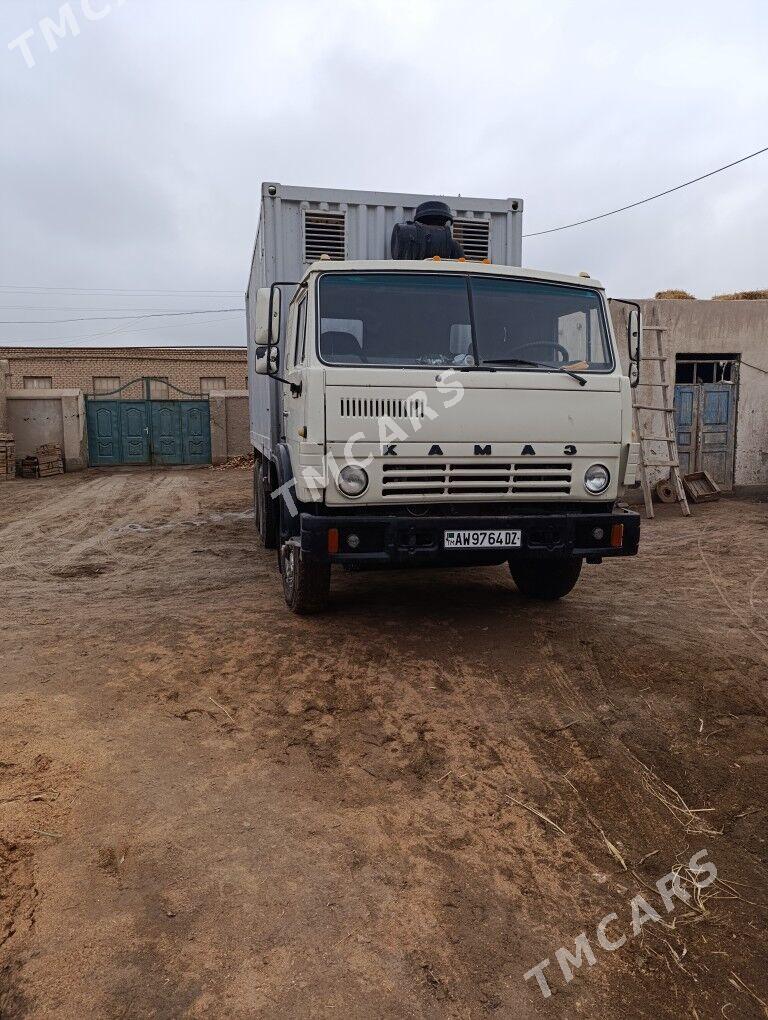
402, 319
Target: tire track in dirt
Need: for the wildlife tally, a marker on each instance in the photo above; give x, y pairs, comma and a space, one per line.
377, 750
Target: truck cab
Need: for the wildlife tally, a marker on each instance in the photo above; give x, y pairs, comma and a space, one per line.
438, 411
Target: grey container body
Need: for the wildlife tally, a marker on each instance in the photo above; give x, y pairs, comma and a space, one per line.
297, 225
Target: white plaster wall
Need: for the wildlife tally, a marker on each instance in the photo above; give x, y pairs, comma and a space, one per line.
714, 327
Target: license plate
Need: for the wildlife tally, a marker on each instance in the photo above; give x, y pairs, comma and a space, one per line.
482, 539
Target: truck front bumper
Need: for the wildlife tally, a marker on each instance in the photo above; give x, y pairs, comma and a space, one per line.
421, 540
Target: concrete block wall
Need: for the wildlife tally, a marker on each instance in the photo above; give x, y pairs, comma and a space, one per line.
230, 429
713, 327
36, 417
5, 372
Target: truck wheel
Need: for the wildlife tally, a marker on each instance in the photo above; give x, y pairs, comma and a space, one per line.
545, 579
264, 506
306, 582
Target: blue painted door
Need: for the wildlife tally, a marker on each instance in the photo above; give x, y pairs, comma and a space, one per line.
718, 433
705, 422
686, 425
103, 421
134, 431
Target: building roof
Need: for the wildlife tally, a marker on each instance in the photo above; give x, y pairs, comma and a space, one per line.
146, 352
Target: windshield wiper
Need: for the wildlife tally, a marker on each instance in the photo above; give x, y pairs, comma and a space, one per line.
537, 364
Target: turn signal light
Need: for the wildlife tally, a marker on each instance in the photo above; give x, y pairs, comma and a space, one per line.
333, 540
617, 536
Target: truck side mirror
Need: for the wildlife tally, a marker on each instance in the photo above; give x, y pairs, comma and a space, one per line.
275, 302
634, 334
267, 360
261, 331
266, 335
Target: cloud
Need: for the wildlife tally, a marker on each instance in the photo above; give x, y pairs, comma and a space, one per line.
137, 148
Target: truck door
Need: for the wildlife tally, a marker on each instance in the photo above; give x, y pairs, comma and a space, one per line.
296, 355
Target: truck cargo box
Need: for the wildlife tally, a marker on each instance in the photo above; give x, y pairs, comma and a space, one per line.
299, 225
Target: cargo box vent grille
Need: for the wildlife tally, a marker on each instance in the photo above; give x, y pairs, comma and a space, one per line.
379, 407
467, 478
324, 234
474, 238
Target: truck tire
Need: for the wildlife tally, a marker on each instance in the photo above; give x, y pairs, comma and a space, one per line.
545, 579
306, 582
264, 510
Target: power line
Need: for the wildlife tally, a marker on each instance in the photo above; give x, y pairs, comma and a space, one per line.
93, 318
121, 330
84, 308
24, 289
642, 201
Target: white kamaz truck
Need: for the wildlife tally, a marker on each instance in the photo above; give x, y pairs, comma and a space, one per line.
417, 399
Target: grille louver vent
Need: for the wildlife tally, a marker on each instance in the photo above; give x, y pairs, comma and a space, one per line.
363, 407
324, 234
474, 238
473, 478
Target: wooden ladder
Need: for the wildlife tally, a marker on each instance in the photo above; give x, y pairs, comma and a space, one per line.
665, 406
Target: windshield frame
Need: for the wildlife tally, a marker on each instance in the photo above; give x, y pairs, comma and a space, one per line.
481, 366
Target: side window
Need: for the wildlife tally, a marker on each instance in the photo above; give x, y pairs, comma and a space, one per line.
301, 334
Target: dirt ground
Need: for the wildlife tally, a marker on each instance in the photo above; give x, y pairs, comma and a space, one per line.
211, 808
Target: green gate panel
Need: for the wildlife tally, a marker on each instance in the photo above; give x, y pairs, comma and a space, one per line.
103, 421
196, 431
134, 428
162, 432
166, 432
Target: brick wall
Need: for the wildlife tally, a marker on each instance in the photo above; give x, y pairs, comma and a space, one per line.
75, 368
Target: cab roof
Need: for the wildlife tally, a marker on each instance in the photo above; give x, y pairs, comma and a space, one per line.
441, 265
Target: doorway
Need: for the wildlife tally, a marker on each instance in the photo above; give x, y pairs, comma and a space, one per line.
706, 388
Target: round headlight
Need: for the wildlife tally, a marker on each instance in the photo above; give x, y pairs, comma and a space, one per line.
597, 479
353, 480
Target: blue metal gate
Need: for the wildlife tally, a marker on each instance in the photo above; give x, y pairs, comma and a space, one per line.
148, 431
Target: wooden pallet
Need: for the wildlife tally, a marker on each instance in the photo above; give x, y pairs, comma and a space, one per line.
49, 460
7, 456
700, 487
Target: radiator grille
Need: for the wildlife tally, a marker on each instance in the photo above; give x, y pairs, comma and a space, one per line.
324, 234
379, 407
471, 478
474, 238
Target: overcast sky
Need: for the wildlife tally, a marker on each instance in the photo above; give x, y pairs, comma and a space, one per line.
131, 156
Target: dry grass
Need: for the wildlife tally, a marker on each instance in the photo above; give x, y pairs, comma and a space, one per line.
242, 463
741, 295
681, 295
